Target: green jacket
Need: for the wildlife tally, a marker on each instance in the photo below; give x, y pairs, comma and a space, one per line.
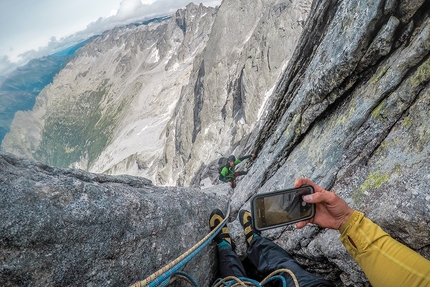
227, 172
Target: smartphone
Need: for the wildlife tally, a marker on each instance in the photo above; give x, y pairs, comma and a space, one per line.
281, 207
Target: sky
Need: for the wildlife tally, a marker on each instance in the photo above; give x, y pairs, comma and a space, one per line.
34, 28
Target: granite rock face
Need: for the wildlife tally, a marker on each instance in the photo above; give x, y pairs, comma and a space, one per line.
349, 111
248, 49
68, 227
107, 110
160, 100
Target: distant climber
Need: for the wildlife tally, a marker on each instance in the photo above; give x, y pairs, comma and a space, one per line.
227, 168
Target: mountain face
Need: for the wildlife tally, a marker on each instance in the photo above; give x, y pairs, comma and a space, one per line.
143, 98
126, 84
68, 227
246, 53
346, 106
19, 89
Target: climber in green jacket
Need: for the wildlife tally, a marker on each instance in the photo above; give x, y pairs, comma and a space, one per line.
228, 173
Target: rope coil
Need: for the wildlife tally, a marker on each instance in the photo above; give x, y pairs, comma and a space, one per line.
233, 281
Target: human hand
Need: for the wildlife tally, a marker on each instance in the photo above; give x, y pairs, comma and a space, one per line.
331, 210
253, 155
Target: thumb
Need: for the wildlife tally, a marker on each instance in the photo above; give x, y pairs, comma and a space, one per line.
308, 198
316, 197
302, 224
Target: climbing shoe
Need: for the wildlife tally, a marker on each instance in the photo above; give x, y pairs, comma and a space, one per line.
215, 219
245, 219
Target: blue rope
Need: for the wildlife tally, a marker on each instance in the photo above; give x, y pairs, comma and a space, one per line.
188, 277
163, 280
284, 282
165, 283
160, 280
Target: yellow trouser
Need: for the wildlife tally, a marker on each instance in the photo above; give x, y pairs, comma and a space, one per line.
385, 261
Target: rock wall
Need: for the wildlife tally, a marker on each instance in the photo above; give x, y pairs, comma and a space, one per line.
248, 49
351, 113
163, 99
67, 227
107, 110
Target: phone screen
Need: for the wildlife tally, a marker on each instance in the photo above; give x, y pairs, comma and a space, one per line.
281, 207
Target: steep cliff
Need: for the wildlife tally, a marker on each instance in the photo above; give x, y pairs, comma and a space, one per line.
349, 111
249, 47
19, 89
162, 99
67, 227
107, 109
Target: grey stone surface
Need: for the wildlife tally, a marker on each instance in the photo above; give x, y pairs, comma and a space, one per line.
347, 106
351, 113
108, 109
64, 227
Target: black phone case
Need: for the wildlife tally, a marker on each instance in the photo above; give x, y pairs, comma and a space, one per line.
291, 190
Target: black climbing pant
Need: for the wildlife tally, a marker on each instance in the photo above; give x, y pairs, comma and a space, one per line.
267, 257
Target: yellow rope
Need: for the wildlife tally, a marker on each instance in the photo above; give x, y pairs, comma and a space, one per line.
230, 278
156, 274
248, 283
296, 282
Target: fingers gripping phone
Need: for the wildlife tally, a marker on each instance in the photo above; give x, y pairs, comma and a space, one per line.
281, 207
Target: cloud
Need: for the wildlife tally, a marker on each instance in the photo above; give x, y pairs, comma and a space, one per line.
132, 10
5, 65
129, 11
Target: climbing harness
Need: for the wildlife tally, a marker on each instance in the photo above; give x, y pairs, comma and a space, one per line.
169, 273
